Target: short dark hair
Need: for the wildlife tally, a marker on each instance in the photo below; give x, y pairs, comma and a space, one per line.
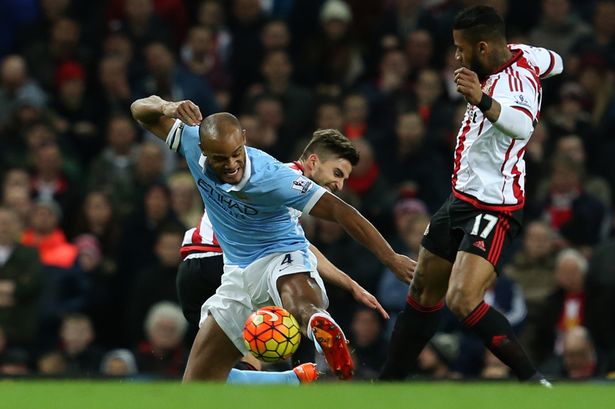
480, 23
331, 142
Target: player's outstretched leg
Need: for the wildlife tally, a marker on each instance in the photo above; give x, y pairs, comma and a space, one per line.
471, 277
418, 322
300, 296
212, 355
302, 374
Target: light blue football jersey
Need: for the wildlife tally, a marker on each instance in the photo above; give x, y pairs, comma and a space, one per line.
254, 217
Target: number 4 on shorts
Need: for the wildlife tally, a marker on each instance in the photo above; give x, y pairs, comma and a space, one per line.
287, 259
491, 221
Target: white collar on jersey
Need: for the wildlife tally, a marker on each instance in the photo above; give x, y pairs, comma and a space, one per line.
247, 172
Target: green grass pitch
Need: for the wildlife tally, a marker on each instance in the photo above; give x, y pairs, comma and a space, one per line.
28, 394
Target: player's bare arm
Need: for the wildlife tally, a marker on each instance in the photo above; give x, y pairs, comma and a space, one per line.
158, 115
333, 275
330, 207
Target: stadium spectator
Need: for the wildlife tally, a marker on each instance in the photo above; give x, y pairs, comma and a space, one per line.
64, 285
162, 352
275, 36
569, 209
565, 307
16, 193
166, 77
574, 147
356, 118
113, 91
276, 140
390, 87
332, 58
155, 282
185, 201
297, 101
78, 110
62, 43
119, 363
51, 364
201, 57
20, 284
329, 115
211, 14
369, 346
245, 23
411, 220
51, 180
114, 170
408, 156
579, 359
559, 28
77, 345
532, 268
369, 185
600, 290
140, 23
15, 84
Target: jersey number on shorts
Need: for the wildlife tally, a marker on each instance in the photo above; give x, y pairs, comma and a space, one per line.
287, 260
491, 222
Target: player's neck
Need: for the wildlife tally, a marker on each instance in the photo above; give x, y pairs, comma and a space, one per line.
501, 57
303, 168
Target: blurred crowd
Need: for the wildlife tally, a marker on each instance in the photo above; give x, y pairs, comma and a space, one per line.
93, 209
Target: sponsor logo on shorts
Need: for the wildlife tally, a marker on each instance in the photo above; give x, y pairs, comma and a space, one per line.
479, 244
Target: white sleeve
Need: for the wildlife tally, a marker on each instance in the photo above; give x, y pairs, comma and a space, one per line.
549, 63
518, 97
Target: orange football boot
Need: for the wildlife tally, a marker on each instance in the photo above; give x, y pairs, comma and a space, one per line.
334, 345
307, 373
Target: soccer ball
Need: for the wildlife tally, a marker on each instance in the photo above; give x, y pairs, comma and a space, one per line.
271, 334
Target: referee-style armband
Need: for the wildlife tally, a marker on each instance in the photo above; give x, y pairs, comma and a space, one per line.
514, 123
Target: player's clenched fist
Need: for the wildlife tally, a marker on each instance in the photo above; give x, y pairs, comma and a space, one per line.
403, 267
186, 111
468, 85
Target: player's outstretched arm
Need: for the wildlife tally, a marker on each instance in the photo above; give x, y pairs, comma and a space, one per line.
333, 275
330, 207
158, 115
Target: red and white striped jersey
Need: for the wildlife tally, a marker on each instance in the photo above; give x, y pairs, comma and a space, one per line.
489, 170
200, 241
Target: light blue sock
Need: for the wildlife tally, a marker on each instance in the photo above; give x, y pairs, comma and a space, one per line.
259, 378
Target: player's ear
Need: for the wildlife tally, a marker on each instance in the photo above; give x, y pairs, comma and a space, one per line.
243, 134
482, 47
311, 161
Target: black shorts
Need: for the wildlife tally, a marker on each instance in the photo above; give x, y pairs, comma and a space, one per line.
460, 226
197, 280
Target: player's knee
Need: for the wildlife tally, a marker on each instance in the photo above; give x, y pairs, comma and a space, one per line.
425, 289
459, 301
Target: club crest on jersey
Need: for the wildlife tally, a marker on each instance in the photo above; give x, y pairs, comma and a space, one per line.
487, 84
302, 184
